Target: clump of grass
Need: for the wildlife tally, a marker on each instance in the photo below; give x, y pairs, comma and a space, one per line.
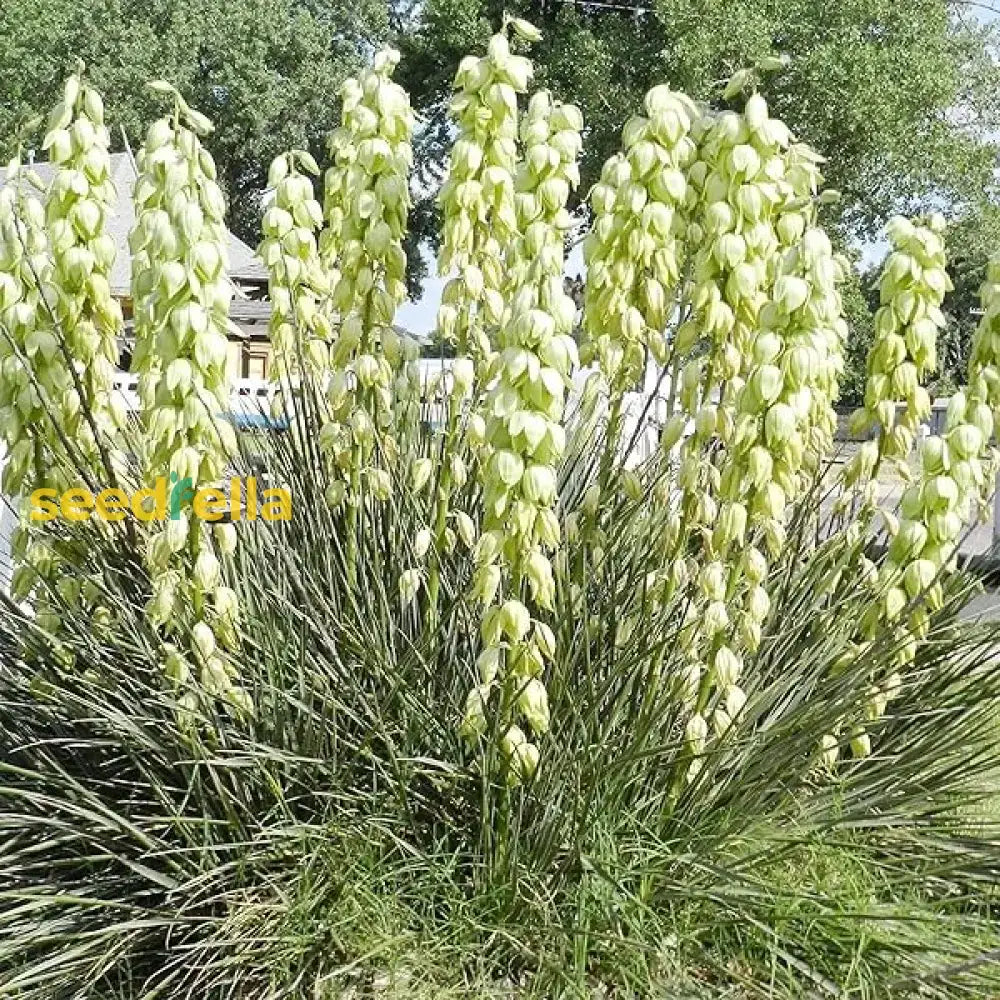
341, 843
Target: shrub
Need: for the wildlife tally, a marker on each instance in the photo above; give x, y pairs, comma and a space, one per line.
501, 708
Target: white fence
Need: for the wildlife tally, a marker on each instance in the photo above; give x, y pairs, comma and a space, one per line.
643, 417
645, 412
249, 398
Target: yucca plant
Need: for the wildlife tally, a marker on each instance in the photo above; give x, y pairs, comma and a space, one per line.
709, 750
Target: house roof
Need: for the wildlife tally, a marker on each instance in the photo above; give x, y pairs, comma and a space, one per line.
244, 265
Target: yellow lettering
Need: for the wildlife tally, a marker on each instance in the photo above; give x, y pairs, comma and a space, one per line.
157, 510
235, 498
277, 505
112, 505
76, 505
207, 504
43, 507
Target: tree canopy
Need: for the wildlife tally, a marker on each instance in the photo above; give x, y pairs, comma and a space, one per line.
900, 97
265, 71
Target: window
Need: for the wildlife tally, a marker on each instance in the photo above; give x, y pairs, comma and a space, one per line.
256, 360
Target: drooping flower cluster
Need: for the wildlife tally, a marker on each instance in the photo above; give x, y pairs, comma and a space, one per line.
78, 206
34, 377
477, 202
523, 413
706, 256
782, 428
913, 286
181, 295
477, 198
635, 252
984, 359
762, 400
59, 347
366, 205
299, 328
742, 178
953, 480
906, 588
72, 351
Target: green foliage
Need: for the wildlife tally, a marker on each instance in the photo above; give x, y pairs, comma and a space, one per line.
870, 84
338, 839
265, 71
859, 314
722, 679
971, 241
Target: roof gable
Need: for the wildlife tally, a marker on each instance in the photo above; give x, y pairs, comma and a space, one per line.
244, 265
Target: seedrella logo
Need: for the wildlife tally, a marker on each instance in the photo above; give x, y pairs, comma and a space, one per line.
166, 499
183, 490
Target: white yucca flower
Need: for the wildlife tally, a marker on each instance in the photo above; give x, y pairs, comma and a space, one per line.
181, 293
298, 283
479, 224
60, 324
523, 415
956, 476
764, 303
36, 383
635, 249
913, 286
373, 373
78, 205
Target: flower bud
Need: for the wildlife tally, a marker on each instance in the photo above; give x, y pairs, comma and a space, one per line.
463, 375
176, 533
727, 667
716, 618
422, 542
420, 474
696, 733
203, 640
474, 722
534, 705
632, 485
731, 525
779, 424
524, 758
712, 581
829, 750
409, 584
515, 620
966, 441
861, 744
754, 565
673, 431
176, 668
206, 570
466, 528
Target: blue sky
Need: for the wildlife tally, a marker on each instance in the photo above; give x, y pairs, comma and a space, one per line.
419, 317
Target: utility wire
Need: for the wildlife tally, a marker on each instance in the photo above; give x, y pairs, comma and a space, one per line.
652, 10
978, 4
612, 6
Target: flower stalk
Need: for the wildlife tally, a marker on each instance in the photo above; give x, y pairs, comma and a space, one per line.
181, 293
523, 413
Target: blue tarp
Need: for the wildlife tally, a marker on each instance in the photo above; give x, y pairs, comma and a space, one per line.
255, 421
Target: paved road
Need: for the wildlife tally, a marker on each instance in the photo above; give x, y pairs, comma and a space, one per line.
984, 608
